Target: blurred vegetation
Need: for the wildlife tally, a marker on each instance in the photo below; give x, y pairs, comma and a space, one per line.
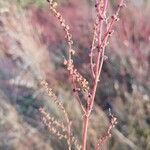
24, 3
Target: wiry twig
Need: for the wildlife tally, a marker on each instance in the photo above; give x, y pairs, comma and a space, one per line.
60, 106
101, 46
104, 138
58, 128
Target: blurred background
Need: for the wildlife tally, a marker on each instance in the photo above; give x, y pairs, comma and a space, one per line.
32, 46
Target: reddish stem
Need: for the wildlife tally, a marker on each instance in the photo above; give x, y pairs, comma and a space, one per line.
89, 108
84, 133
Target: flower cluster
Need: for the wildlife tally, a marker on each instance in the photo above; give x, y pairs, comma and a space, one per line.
53, 126
63, 24
76, 76
55, 99
58, 128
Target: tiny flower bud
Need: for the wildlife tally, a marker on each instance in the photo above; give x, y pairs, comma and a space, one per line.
72, 51
54, 4
96, 5
65, 62
67, 27
89, 96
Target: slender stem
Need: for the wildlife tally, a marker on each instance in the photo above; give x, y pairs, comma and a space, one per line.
99, 57
97, 74
78, 98
85, 128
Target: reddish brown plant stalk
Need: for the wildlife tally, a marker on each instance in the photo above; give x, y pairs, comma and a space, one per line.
102, 43
79, 83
